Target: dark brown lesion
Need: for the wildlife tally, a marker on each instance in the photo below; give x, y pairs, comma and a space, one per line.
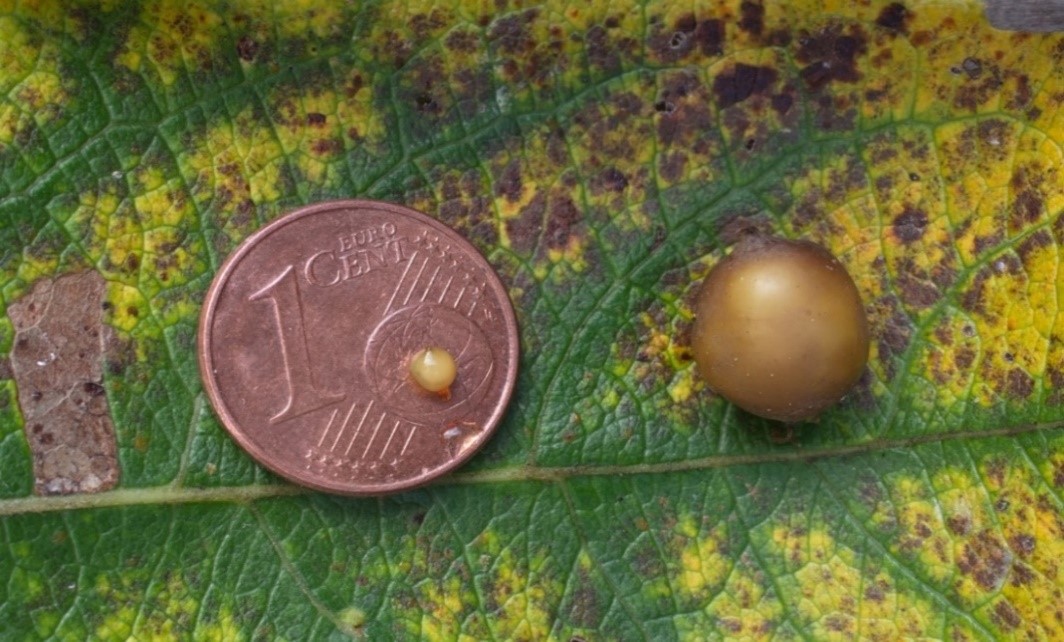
894, 17
831, 54
742, 81
57, 363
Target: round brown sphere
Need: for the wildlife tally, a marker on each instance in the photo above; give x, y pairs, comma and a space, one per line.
780, 329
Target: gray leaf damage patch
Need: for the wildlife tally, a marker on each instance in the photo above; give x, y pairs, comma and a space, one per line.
1026, 15
57, 361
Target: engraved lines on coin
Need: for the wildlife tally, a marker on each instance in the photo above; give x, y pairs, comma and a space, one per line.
432, 275
339, 443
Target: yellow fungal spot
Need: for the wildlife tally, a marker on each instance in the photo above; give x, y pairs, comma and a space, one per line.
129, 306
352, 618
315, 128
526, 611
838, 597
744, 608
234, 165
143, 244
703, 564
683, 385
33, 267
611, 398
695, 559
523, 592
994, 538
299, 18
172, 38
32, 91
163, 614
28, 585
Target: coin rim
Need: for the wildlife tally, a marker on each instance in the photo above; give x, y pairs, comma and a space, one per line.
298, 476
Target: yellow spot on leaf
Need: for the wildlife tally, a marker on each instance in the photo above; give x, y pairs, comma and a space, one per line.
521, 590
172, 38
837, 597
163, 613
352, 617
32, 91
315, 128
703, 564
995, 540
298, 18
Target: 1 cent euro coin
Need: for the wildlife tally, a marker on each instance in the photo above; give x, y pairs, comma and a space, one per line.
308, 331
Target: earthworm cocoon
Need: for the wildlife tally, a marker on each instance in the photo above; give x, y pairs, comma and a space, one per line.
434, 370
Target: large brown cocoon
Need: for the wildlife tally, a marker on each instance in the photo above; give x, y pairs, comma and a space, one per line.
780, 329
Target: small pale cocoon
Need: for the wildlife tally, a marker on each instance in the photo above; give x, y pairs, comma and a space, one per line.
434, 369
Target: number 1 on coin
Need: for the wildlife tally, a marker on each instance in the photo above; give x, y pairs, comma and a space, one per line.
303, 393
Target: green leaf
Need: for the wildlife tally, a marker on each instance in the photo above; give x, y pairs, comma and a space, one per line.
601, 155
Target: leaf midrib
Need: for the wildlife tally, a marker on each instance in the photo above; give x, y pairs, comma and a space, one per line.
171, 494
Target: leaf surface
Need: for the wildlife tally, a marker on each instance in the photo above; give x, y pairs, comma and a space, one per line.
603, 156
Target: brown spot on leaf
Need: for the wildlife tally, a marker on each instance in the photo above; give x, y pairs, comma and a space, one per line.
988, 241
1022, 96
509, 182
684, 117
327, 146
687, 35
959, 524
741, 82
709, 36
1005, 616
781, 103
915, 291
982, 83
246, 48
1019, 384
734, 228
354, 85
1032, 244
752, 18
836, 622
607, 52
893, 17
1026, 208
995, 470
973, 299
586, 606
965, 357
58, 366
1021, 575
894, 337
672, 166
1023, 544
830, 55
463, 40
563, 216
610, 179
909, 226
524, 230
986, 560
876, 591
512, 33
425, 25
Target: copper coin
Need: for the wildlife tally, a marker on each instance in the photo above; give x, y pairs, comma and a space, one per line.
306, 336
